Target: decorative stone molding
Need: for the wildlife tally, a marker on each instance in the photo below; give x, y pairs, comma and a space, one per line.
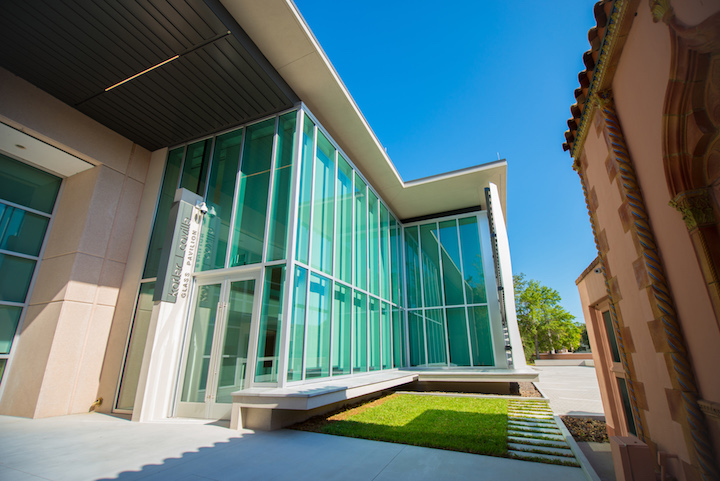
696, 208
710, 408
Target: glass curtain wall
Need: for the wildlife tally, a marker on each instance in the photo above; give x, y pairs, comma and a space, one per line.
27, 200
448, 314
347, 291
245, 177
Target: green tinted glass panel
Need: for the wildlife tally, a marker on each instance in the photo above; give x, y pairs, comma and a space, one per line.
9, 318
458, 336
305, 200
297, 327
384, 252
317, 355
252, 197
167, 194
607, 320
21, 231
360, 315
136, 347
432, 288
197, 160
278, 234
373, 243
343, 219
3, 362
435, 328
270, 325
342, 329
323, 206
15, 276
480, 336
221, 187
360, 233
233, 362
412, 267
386, 335
472, 261
374, 334
27, 186
452, 273
398, 337
417, 338
395, 264
200, 345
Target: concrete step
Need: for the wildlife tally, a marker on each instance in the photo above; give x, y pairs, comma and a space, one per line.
536, 442
530, 413
556, 451
542, 458
540, 436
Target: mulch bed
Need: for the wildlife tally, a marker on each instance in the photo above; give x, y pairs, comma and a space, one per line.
586, 429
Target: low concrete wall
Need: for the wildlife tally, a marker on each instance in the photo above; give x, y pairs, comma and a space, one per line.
565, 362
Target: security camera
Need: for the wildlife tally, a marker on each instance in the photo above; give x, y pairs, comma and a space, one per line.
203, 208
597, 270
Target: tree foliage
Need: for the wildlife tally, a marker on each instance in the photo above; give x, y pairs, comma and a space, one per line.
544, 324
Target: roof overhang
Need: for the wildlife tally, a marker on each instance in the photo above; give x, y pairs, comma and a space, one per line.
285, 39
159, 73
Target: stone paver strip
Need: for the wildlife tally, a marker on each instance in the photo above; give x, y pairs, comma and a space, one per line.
530, 425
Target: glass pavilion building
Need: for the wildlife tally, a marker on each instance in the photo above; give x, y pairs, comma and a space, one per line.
277, 263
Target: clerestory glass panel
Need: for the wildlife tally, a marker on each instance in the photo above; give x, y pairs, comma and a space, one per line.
374, 334
343, 220
412, 267
472, 261
458, 336
252, 196
165, 202
284, 151
435, 328
416, 326
360, 276
21, 231
432, 288
480, 336
373, 243
27, 186
268, 350
360, 329
398, 338
384, 252
386, 335
305, 197
297, 327
452, 274
15, 276
9, 318
317, 354
221, 187
323, 206
197, 160
342, 329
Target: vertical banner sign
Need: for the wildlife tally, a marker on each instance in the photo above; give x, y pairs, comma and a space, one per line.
180, 251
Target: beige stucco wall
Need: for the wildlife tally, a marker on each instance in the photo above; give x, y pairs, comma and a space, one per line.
89, 265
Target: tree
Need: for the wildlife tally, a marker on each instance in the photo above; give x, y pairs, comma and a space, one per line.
544, 324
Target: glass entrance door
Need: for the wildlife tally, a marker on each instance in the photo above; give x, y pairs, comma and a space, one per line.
218, 350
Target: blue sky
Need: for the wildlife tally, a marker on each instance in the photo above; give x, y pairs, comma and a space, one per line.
448, 85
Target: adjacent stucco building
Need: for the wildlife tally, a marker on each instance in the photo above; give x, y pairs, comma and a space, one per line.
645, 141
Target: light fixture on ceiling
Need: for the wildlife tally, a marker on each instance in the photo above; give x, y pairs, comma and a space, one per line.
143, 72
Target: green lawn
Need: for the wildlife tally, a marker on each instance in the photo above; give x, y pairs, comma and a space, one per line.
465, 424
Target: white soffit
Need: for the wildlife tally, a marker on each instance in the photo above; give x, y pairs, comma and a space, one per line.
36, 152
283, 36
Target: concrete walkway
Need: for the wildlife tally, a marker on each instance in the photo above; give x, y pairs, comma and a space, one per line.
572, 390
95, 446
